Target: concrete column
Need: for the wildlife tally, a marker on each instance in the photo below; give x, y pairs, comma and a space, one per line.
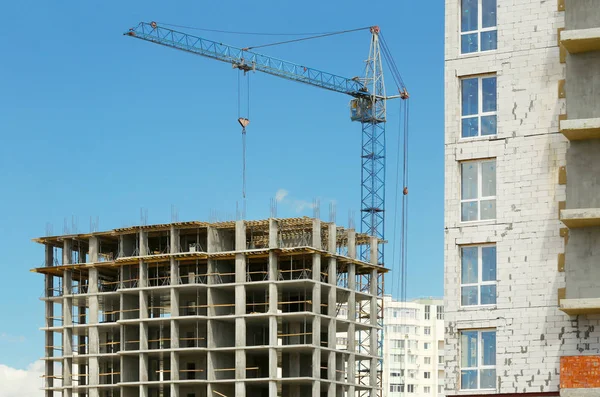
351, 317
49, 335
273, 233
352, 243
93, 339
212, 240
240, 308
273, 330
67, 320
332, 311
374, 330
143, 243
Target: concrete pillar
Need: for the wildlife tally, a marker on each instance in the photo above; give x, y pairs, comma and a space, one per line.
273, 233
352, 243
174, 269
212, 240
143, 243
240, 308
332, 311
49, 335
352, 318
93, 339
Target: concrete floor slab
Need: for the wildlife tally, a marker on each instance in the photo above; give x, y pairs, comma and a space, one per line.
581, 129
581, 40
581, 217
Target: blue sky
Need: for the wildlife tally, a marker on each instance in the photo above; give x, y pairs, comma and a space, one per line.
95, 124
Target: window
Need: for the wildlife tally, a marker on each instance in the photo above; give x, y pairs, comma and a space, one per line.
397, 344
478, 106
397, 358
412, 359
440, 359
426, 345
427, 330
440, 389
478, 190
395, 374
427, 375
396, 388
478, 31
410, 388
478, 359
440, 312
427, 312
427, 360
478, 275
427, 390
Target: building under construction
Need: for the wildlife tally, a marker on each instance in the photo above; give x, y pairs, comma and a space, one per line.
240, 308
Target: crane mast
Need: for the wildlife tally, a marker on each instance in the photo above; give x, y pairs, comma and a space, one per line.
368, 106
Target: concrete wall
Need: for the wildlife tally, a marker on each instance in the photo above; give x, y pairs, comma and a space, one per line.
583, 173
582, 14
583, 84
582, 258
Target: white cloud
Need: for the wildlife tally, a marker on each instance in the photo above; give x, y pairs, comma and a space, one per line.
21, 383
281, 194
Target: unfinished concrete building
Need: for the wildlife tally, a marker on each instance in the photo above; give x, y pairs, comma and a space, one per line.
244, 308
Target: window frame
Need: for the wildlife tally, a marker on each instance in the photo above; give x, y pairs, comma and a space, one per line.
426, 330
479, 366
480, 196
439, 312
480, 113
479, 282
427, 312
480, 29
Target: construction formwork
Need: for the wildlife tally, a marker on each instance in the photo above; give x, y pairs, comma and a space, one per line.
244, 308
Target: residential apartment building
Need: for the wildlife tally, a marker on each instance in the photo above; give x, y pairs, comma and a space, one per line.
522, 197
413, 348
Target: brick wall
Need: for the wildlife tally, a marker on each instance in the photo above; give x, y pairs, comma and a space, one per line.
532, 334
579, 372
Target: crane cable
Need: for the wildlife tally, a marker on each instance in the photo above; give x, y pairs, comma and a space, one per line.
403, 140
244, 122
306, 38
241, 33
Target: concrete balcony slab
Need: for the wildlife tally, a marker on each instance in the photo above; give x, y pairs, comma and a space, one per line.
581, 129
580, 306
581, 217
581, 40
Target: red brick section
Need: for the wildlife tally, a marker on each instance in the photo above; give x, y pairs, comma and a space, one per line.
579, 372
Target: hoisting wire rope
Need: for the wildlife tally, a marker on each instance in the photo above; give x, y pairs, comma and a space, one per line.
402, 141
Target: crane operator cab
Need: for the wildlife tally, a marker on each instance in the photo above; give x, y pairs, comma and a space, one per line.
361, 109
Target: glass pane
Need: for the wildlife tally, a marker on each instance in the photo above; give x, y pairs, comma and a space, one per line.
488, 125
468, 180
468, 296
470, 127
469, 265
489, 40
468, 347
488, 263
468, 379
488, 13
488, 178
468, 16
488, 294
468, 43
488, 209
469, 211
470, 96
488, 86
488, 379
488, 345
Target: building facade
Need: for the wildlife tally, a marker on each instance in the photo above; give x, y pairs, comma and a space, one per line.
522, 235
413, 348
196, 309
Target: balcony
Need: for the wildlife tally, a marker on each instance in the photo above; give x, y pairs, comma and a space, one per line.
575, 307
581, 129
581, 40
580, 218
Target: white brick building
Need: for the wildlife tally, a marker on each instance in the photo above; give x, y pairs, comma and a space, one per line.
413, 348
505, 176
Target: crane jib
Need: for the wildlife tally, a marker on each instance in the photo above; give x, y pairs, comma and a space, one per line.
248, 60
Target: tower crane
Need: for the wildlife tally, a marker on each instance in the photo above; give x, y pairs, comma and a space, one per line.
368, 103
